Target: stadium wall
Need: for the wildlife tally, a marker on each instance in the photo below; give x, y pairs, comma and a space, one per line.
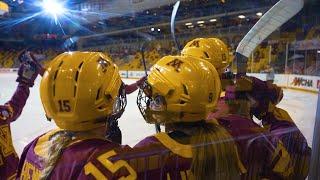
292, 81
8, 70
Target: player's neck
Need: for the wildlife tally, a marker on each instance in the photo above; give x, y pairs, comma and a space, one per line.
99, 132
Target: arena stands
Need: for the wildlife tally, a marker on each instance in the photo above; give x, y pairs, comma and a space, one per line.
284, 50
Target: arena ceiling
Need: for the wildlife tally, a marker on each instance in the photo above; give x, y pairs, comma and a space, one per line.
91, 17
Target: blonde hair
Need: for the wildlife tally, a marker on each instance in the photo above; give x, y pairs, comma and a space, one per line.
214, 153
57, 143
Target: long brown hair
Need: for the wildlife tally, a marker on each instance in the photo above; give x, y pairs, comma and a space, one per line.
214, 153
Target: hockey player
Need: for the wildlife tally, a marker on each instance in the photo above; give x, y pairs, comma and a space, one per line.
179, 93
277, 152
11, 110
216, 52
264, 99
81, 92
237, 118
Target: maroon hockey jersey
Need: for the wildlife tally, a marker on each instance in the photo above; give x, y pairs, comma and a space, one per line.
277, 151
82, 159
161, 157
9, 112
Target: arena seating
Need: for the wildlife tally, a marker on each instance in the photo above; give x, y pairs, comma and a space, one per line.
128, 56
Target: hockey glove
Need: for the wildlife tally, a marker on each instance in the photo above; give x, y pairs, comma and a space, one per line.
28, 70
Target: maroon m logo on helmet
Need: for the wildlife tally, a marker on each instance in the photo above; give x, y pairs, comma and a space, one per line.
176, 63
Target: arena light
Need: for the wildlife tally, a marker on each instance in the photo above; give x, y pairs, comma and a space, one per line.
259, 14
213, 20
318, 51
188, 24
200, 22
191, 26
152, 29
241, 16
53, 7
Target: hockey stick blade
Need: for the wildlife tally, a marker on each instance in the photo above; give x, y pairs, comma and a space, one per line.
279, 14
172, 24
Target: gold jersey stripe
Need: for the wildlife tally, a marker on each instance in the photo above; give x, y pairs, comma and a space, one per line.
177, 148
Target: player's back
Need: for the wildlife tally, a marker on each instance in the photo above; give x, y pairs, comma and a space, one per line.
161, 157
263, 155
73, 161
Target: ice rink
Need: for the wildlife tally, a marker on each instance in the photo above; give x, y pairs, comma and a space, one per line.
32, 122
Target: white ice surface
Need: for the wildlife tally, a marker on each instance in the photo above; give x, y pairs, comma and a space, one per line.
32, 122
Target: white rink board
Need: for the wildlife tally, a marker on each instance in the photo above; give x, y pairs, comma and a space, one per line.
310, 83
32, 122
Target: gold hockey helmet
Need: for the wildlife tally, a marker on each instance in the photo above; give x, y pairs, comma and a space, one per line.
179, 89
211, 49
81, 90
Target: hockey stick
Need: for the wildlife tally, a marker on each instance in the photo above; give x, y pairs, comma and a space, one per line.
143, 59
148, 38
172, 24
142, 48
280, 13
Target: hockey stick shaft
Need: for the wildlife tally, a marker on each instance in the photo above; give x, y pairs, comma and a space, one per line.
157, 126
279, 14
172, 24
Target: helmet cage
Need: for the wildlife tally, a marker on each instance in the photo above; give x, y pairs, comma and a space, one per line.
152, 107
118, 106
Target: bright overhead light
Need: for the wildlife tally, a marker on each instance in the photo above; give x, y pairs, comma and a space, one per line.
200, 22
200, 25
152, 29
241, 16
159, 30
318, 51
213, 20
188, 24
53, 7
259, 14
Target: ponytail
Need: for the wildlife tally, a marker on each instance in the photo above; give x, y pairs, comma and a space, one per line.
214, 152
57, 144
